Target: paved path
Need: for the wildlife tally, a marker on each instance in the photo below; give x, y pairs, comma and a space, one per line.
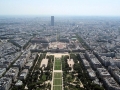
57, 70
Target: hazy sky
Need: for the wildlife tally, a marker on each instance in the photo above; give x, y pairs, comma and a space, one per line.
60, 7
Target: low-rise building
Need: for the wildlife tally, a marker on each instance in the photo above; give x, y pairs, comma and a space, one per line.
106, 60
117, 62
111, 69
5, 83
86, 63
19, 63
116, 75
3, 64
23, 74
102, 72
28, 65
82, 56
13, 73
109, 54
89, 55
91, 74
115, 72
2, 70
111, 84
95, 63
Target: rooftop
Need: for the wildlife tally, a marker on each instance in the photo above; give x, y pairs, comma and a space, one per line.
103, 71
95, 61
112, 82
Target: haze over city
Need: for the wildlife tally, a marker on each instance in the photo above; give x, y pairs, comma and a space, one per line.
60, 7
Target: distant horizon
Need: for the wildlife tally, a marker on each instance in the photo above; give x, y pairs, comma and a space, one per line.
57, 16
60, 7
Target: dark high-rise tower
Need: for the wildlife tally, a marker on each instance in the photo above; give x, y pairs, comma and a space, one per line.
52, 20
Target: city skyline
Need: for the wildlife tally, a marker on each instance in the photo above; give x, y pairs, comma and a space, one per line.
60, 7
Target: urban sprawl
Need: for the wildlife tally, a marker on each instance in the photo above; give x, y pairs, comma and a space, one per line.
59, 53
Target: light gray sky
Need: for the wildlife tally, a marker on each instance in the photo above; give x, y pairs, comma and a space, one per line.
60, 7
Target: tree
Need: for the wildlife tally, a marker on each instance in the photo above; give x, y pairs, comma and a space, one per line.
47, 73
31, 86
77, 86
77, 67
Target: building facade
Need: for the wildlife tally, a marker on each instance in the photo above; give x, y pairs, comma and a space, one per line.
52, 20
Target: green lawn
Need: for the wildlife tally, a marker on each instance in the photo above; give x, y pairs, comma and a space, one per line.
57, 87
57, 75
57, 67
57, 82
57, 64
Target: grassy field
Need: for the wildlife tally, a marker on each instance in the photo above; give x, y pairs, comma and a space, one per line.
57, 64
57, 68
57, 87
57, 75
57, 81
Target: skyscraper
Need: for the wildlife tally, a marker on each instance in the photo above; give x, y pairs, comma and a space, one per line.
52, 20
